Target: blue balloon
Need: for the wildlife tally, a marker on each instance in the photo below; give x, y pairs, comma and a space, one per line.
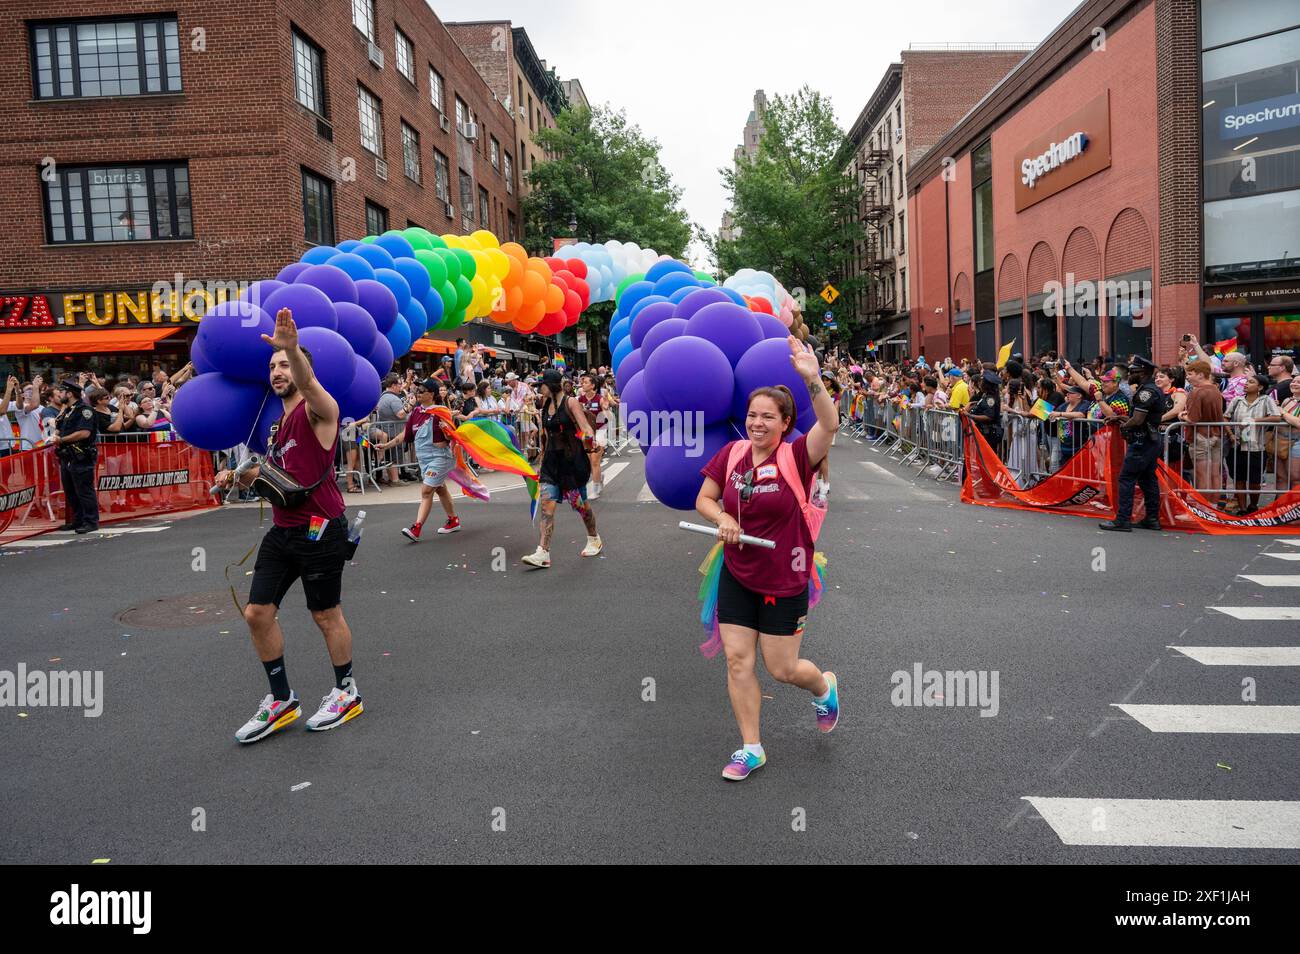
735, 296
272, 411
618, 331
356, 266
350, 245
395, 245
622, 351
377, 256
230, 338
318, 254
381, 356
258, 292
691, 375
767, 364
771, 327
647, 317
291, 271
416, 319
197, 358
667, 267
399, 336
332, 280
416, 275
630, 367
696, 299
682, 294
645, 303
433, 308
356, 326
375, 298
332, 359
675, 459
727, 325
661, 332
309, 305
395, 283
675, 282
632, 294
215, 412
363, 395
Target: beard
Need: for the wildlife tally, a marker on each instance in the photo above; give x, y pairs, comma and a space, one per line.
286, 390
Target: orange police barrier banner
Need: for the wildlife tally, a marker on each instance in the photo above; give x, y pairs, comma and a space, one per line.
134, 479
1088, 486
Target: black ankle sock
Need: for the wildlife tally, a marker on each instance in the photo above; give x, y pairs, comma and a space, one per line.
279, 679
341, 673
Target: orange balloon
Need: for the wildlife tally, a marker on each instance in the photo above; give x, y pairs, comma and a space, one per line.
516, 273
534, 287
554, 298
514, 299
529, 316
537, 266
515, 251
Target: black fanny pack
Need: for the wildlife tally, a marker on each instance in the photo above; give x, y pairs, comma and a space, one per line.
277, 485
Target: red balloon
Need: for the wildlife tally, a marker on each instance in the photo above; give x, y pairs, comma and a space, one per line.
572, 306
568, 277
583, 290
578, 267
761, 305
551, 324
555, 263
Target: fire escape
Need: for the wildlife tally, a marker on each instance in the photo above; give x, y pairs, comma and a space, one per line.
876, 214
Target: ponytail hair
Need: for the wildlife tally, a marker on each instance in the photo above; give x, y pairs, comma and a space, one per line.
784, 400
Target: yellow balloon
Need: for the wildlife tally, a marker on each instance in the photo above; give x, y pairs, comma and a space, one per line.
481, 303
470, 243
498, 263
453, 241
486, 239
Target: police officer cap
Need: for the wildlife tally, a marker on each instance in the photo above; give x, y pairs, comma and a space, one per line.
70, 385
430, 385
991, 377
1140, 363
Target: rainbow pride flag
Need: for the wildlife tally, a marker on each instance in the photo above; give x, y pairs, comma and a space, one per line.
559, 363
1041, 409
488, 443
1225, 347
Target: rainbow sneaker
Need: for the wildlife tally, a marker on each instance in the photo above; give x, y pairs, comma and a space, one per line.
828, 712
335, 709
741, 764
271, 716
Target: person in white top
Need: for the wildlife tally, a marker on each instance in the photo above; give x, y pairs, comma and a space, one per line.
26, 409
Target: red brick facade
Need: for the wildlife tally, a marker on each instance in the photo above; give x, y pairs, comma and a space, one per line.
940, 86
245, 138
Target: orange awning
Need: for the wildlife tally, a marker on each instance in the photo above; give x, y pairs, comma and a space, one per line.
107, 341
438, 346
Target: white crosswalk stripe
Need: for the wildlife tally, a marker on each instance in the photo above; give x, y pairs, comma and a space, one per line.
1284, 579
1293, 557
1242, 655
1272, 720
1259, 612
1289, 541
1172, 823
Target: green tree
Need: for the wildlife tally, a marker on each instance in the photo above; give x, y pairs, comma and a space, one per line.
795, 208
602, 181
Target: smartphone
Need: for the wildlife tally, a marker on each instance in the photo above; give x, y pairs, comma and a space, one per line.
1187, 337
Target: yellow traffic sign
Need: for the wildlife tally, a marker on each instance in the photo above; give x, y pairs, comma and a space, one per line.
829, 294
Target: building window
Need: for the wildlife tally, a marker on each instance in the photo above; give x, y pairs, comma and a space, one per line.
483, 207
376, 219
494, 152
404, 54
902, 289
466, 201
1128, 303
441, 176
530, 112
902, 233
370, 112
435, 89
114, 58
462, 115
509, 174
411, 153
901, 193
363, 17
512, 227
317, 209
308, 74
118, 204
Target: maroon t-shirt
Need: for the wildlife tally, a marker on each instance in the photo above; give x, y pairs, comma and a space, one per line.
299, 453
771, 513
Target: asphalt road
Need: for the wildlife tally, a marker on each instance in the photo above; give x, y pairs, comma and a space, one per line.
517, 698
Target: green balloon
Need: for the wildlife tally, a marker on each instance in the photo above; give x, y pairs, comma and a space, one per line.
447, 292
419, 238
464, 293
368, 239
451, 319
450, 260
706, 277
467, 264
624, 283
437, 241
433, 265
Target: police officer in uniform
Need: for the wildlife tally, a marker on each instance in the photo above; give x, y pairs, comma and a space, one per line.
986, 410
1141, 430
75, 437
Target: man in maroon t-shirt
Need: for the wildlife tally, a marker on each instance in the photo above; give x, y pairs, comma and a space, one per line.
308, 542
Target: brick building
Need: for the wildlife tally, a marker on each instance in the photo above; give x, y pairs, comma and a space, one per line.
748, 149
518, 77
1133, 180
916, 101
216, 142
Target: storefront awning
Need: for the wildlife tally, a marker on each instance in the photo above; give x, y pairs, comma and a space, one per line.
438, 346
107, 341
898, 339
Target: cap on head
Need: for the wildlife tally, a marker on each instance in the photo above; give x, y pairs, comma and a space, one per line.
70, 385
1142, 364
991, 377
552, 379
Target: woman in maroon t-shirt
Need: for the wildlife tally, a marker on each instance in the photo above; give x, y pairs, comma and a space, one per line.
763, 594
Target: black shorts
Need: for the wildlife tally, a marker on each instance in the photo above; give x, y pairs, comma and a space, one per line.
1245, 466
770, 615
286, 554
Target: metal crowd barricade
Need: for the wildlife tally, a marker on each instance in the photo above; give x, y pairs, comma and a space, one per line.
1218, 458
943, 442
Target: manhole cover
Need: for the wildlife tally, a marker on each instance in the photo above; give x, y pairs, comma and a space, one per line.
175, 612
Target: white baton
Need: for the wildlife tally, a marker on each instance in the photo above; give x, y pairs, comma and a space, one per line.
713, 532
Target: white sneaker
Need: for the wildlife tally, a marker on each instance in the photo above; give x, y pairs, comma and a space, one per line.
271, 717
335, 709
593, 547
595, 491
539, 558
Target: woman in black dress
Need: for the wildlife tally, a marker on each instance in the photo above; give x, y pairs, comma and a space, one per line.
565, 470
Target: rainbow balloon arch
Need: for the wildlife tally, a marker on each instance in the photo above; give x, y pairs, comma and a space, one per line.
680, 342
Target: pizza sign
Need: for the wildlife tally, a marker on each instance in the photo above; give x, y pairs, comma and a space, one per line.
25, 311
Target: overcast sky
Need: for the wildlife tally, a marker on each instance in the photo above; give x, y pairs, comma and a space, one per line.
686, 72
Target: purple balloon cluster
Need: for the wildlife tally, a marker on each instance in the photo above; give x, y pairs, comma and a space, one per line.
686, 382
348, 305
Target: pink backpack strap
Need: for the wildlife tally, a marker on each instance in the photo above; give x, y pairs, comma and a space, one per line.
785, 463
738, 450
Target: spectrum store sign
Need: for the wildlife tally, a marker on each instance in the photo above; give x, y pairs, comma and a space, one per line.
1072, 150
1265, 115
164, 304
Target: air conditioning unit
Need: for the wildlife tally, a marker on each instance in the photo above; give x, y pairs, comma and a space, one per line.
444, 123
449, 209
471, 131
508, 104
898, 134
376, 54
381, 168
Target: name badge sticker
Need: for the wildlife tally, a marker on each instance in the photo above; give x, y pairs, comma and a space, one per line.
766, 472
